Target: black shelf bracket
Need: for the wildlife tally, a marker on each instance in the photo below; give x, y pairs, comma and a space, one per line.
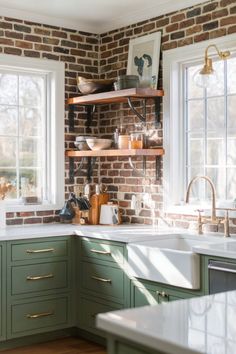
71, 118
90, 109
157, 102
142, 117
158, 167
90, 166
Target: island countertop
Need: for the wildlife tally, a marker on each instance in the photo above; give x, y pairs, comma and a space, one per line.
198, 325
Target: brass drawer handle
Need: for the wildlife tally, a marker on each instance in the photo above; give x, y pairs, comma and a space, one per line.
45, 250
101, 252
38, 315
103, 280
39, 277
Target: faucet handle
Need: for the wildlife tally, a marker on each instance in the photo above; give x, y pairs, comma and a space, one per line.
200, 222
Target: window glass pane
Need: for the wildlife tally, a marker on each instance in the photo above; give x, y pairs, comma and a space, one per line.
195, 115
231, 150
8, 89
8, 120
197, 190
231, 107
218, 88
218, 176
30, 90
9, 175
215, 114
30, 183
29, 152
7, 152
193, 90
215, 151
231, 77
30, 122
195, 149
231, 183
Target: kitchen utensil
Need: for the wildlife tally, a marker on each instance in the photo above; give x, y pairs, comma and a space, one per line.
67, 212
99, 144
109, 214
96, 201
80, 142
88, 86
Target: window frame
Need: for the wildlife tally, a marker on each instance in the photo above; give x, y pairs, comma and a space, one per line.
55, 72
174, 63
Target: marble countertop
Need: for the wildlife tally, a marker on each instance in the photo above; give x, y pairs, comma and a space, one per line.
199, 325
125, 233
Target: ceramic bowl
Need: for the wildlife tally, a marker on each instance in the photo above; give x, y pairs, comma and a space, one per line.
99, 144
88, 86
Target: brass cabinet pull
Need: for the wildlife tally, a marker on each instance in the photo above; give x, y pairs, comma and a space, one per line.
45, 250
101, 252
103, 280
38, 315
39, 277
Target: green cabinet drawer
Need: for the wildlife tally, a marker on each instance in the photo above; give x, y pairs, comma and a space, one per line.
90, 308
37, 250
128, 349
105, 281
38, 316
102, 250
38, 277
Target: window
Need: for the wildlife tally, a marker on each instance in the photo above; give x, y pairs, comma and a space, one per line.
199, 126
32, 131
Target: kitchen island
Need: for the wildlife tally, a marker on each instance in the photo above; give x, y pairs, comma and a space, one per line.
193, 326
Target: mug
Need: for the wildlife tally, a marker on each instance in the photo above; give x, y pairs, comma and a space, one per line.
109, 215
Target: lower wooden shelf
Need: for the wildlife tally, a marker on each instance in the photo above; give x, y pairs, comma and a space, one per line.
115, 152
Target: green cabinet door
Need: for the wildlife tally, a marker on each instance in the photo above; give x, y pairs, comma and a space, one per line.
150, 293
2, 291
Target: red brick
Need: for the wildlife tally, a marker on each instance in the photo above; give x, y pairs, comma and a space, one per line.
22, 44
231, 20
33, 38
219, 13
193, 30
33, 221
178, 17
172, 28
203, 18
6, 41
43, 47
11, 50
186, 23
201, 37
59, 34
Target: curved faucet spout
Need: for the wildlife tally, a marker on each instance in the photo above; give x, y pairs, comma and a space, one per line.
213, 194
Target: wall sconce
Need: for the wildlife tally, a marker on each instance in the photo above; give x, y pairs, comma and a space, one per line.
207, 76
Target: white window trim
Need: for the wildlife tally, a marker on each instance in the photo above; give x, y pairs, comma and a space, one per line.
56, 129
173, 64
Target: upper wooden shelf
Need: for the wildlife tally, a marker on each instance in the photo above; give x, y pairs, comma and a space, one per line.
116, 96
116, 152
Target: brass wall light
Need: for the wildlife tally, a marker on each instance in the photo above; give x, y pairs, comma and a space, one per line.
207, 76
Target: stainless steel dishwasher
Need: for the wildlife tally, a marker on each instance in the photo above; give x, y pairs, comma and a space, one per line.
222, 276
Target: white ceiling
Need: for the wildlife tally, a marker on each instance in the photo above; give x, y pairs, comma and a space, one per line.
96, 16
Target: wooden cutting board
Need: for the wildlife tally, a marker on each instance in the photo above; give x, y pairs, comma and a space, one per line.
96, 200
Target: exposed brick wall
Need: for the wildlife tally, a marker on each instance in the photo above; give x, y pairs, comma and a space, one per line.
106, 57
192, 25
80, 53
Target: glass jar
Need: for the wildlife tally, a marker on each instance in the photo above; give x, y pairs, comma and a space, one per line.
123, 142
136, 140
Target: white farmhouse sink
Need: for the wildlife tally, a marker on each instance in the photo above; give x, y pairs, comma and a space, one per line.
169, 260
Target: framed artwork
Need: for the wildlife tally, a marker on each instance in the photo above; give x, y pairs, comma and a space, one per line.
143, 59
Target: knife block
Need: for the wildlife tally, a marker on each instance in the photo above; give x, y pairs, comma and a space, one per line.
81, 216
96, 200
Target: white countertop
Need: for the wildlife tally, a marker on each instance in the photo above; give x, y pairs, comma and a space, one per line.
122, 233
125, 233
200, 325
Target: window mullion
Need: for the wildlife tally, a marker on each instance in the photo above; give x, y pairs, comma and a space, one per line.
18, 140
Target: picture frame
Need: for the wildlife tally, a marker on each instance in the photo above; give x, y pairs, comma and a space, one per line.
143, 59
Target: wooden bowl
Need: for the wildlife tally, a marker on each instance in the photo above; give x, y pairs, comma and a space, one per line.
88, 86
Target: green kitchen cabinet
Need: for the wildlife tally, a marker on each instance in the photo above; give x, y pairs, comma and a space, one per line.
3, 291
102, 281
116, 345
39, 285
145, 292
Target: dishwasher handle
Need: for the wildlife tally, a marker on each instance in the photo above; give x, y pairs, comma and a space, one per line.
223, 268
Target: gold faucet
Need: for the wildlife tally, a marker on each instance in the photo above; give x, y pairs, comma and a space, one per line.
213, 195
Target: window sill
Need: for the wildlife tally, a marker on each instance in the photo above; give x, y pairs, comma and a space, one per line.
191, 210
32, 207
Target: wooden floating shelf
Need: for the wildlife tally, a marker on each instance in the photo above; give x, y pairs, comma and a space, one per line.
116, 152
119, 96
